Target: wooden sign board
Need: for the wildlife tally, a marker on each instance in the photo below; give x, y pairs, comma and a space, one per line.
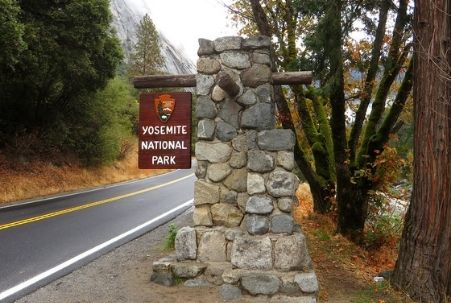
165, 130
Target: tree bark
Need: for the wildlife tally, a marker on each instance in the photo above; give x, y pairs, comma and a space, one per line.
423, 267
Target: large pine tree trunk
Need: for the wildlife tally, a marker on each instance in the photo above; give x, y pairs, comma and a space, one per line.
423, 267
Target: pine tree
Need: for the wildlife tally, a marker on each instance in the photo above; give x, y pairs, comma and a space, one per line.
146, 57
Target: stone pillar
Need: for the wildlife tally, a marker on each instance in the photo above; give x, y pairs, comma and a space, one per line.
246, 239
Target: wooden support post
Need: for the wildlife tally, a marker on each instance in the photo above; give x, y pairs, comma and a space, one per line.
226, 82
155, 81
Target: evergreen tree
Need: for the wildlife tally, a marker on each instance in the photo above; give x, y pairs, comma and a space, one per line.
11, 32
146, 57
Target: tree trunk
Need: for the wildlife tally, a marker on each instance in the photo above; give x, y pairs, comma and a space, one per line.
423, 267
352, 202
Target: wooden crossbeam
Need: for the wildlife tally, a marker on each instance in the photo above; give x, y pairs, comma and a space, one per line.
189, 80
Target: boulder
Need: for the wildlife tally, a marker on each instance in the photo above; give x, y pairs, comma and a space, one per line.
282, 223
185, 244
259, 205
202, 216
290, 253
212, 247
256, 75
281, 183
214, 272
307, 282
237, 180
204, 84
218, 171
206, 129
259, 116
285, 159
208, 66
225, 132
213, 152
205, 193
227, 43
255, 184
259, 161
256, 224
205, 108
226, 215
276, 139
261, 283
206, 47
252, 252
238, 159
235, 60
188, 269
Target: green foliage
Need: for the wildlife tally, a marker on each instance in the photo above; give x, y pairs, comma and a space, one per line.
146, 57
169, 243
104, 123
384, 223
11, 32
71, 52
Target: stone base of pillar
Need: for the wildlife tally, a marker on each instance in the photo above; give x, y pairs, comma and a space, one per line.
277, 266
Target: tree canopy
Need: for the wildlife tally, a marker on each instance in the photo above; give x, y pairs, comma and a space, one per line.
336, 149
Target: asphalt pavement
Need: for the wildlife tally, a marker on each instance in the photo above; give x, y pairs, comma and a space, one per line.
43, 240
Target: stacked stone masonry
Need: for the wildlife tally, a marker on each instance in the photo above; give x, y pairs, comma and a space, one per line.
244, 237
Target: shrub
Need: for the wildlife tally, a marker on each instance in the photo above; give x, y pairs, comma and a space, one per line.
169, 243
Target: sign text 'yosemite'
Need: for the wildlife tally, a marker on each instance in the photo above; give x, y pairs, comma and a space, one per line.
165, 130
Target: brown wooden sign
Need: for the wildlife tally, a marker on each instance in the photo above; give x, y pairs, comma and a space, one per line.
165, 130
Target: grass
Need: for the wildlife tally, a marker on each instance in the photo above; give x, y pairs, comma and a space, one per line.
344, 269
169, 243
37, 176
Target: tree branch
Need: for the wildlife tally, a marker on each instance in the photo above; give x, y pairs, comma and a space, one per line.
369, 81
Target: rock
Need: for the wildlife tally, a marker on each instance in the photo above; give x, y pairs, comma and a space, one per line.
256, 75
162, 278
204, 84
218, 171
228, 196
291, 253
276, 139
259, 205
255, 184
259, 116
265, 93
188, 269
212, 247
232, 233
261, 283
226, 215
238, 159
285, 204
260, 162
281, 183
201, 169
192, 283
208, 66
257, 42
218, 94
235, 60
288, 286
237, 180
163, 264
288, 299
248, 98
282, 223
229, 112
206, 129
257, 225
205, 193
239, 143
205, 108
252, 253
232, 276
213, 152
286, 160
227, 43
307, 282
206, 47
242, 200
185, 244
229, 292
215, 270
202, 216
251, 139
225, 132
261, 59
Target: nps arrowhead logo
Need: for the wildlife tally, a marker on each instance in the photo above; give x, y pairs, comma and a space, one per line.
164, 107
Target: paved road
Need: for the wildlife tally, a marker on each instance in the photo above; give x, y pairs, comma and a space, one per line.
42, 241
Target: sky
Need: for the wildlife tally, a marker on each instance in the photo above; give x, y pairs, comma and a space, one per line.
183, 22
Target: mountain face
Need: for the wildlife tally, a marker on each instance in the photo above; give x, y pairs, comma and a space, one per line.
126, 17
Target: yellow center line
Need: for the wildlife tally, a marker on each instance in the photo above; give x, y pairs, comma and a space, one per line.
85, 206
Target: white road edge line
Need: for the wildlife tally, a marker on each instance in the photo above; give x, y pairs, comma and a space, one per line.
13, 290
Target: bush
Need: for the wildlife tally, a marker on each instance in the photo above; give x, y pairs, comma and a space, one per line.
384, 223
169, 243
103, 124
